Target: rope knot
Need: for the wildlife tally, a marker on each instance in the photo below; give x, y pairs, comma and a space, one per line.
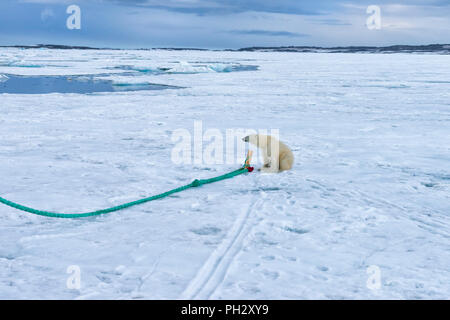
196, 183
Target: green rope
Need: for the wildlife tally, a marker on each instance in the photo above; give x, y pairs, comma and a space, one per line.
193, 184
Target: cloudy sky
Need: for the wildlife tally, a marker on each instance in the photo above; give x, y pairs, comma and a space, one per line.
224, 23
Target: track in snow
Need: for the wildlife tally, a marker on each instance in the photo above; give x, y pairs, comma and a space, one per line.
214, 270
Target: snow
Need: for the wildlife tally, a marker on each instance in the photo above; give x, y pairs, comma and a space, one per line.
370, 185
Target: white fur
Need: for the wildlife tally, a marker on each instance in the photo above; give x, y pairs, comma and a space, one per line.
277, 156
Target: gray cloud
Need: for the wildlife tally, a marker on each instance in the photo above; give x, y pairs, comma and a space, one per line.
297, 7
202, 7
268, 33
331, 22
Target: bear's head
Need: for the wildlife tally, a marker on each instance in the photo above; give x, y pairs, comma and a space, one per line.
258, 140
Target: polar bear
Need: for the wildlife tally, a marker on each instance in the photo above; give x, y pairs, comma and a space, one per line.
277, 156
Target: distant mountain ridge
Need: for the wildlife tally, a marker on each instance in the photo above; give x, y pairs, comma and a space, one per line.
53, 46
431, 48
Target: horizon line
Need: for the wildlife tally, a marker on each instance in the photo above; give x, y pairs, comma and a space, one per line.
445, 46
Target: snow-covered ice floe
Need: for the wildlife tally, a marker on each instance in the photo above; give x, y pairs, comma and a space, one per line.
363, 214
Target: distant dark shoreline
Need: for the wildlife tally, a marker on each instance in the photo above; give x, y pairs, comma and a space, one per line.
431, 48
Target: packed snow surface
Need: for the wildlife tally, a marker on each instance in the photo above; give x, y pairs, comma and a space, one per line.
364, 213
